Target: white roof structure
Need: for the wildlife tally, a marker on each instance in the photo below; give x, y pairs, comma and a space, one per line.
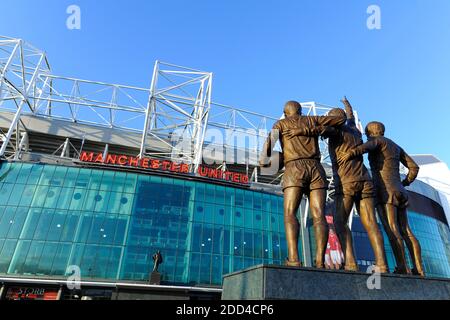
178, 103
437, 174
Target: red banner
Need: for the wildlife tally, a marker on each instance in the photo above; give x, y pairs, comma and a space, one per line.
334, 257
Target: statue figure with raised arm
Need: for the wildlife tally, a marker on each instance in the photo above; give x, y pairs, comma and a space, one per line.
304, 175
353, 187
385, 157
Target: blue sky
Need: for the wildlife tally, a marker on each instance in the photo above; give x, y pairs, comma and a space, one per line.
264, 53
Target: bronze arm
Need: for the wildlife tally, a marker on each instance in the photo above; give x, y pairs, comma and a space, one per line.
413, 168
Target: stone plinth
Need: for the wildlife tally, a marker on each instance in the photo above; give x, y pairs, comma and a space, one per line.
270, 282
155, 278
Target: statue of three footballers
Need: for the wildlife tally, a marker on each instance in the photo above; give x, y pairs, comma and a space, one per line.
304, 175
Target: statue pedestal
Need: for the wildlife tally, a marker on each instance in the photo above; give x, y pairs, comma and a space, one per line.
155, 278
270, 282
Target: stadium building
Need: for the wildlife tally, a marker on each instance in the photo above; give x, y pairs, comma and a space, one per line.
96, 177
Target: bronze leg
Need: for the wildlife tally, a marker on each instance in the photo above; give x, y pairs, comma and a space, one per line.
366, 209
317, 207
344, 205
411, 241
292, 199
388, 216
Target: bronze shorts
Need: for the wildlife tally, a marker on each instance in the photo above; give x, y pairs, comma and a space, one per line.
361, 189
305, 173
391, 192
398, 198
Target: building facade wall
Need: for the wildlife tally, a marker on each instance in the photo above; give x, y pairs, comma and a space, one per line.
110, 223
433, 236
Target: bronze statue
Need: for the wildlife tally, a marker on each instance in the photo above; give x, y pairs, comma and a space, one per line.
157, 260
353, 186
304, 174
385, 157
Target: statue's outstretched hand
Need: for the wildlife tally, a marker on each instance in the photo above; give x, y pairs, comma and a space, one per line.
291, 133
310, 132
344, 157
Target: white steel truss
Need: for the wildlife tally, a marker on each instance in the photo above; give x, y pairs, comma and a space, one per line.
178, 103
21, 67
178, 110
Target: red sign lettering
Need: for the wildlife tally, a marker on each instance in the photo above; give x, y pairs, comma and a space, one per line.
122, 160
99, 158
111, 159
164, 165
87, 156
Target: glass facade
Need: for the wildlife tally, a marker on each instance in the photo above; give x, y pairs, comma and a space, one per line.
110, 223
424, 189
433, 236
434, 239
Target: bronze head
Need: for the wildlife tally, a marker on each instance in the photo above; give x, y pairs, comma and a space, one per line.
292, 108
375, 129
